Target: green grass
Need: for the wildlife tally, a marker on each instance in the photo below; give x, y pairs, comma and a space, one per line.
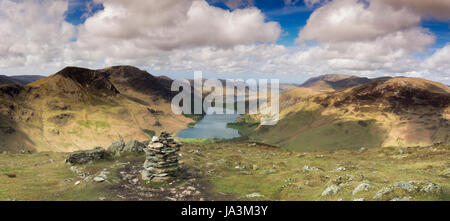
150, 133
308, 130
97, 124
278, 173
237, 169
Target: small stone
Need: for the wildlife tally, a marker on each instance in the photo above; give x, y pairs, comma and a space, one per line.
381, 193
98, 179
11, 175
155, 139
431, 188
77, 183
406, 198
307, 168
358, 199
331, 190
340, 169
156, 145
102, 198
362, 187
254, 195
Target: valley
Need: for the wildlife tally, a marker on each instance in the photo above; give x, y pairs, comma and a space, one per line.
339, 137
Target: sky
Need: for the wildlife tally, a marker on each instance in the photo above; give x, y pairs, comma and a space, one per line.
290, 40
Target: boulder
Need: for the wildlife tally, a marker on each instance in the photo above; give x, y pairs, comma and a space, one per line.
86, 156
116, 147
134, 146
408, 186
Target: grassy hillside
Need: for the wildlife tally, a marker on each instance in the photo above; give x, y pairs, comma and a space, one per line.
392, 112
79, 108
232, 171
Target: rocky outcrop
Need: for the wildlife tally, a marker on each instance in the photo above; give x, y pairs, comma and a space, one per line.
161, 161
86, 156
134, 146
119, 147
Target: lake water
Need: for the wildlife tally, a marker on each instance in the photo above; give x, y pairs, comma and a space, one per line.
212, 126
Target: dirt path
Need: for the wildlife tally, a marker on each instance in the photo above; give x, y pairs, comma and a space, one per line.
189, 186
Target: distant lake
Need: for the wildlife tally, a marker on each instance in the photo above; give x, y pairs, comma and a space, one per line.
212, 126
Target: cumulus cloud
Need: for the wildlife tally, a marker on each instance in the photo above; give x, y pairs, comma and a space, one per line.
352, 37
172, 24
33, 33
357, 37
439, 9
352, 20
311, 3
439, 62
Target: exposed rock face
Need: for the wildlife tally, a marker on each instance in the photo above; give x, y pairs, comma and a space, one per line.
161, 158
81, 157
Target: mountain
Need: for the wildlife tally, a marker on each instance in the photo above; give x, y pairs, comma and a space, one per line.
19, 79
78, 108
386, 112
332, 82
26, 79
6, 80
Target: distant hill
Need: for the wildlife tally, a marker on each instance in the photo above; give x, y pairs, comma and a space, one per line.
333, 82
19, 79
387, 112
79, 108
7, 80
26, 79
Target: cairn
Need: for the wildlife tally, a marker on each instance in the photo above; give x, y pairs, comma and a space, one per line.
161, 161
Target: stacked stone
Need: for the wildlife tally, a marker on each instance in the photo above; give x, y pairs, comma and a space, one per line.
161, 161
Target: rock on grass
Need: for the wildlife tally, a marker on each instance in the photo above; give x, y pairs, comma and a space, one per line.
331, 190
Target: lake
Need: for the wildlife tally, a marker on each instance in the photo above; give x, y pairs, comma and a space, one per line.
212, 126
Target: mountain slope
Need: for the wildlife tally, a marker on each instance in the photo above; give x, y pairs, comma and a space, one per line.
389, 112
79, 108
332, 82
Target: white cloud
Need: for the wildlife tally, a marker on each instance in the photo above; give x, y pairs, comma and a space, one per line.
352, 20
439, 9
33, 33
439, 63
311, 3
172, 24
182, 36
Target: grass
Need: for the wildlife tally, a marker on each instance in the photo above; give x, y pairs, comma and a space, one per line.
97, 124
308, 130
238, 169
149, 133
